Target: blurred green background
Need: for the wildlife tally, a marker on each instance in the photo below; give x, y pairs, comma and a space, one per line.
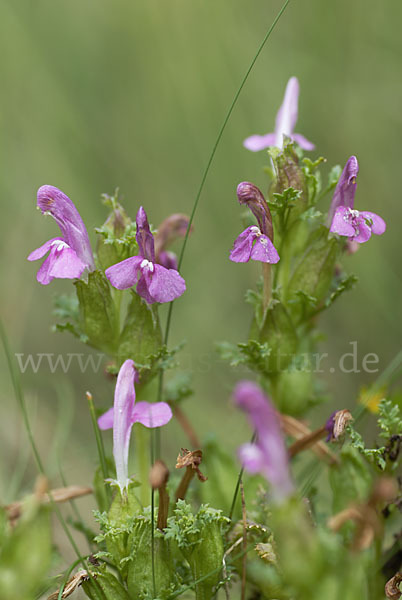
100, 94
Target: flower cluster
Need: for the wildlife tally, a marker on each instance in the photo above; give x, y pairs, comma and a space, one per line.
69, 256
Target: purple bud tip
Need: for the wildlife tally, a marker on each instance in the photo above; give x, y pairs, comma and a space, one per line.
352, 169
47, 195
250, 194
247, 191
142, 219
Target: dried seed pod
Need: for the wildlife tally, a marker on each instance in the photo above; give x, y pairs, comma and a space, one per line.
392, 587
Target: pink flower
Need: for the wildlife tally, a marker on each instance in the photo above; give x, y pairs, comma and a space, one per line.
155, 283
255, 243
71, 254
268, 455
124, 413
343, 218
285, 123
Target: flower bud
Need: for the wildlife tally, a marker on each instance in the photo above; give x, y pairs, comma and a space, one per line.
252, 197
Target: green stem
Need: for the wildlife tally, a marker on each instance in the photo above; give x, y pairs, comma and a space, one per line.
267, 286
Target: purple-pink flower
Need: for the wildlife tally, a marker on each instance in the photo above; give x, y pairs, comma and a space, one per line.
124, 413
343, 218
268, 455
285, 123
70, 254
255, 243
155, 283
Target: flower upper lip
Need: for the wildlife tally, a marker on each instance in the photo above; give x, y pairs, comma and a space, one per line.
284, 125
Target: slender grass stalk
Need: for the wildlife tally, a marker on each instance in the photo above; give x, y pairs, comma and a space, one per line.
21, 401
239, 479
99, 444
18, 473
215, 147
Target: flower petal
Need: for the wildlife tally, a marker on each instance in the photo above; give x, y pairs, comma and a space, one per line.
378, 225
144, 237
287, 114
53, 201
255, 143
264, 250
243, 244
166, 284
341, 222
65, 263
123, 408
302, 141
105, 421
62, 263
143, 287
43, 275
168, 259
362, 231
344, 194
42, 250
152, 414
264, 419
124, 274
251, 457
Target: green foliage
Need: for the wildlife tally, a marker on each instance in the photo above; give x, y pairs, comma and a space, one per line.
279, 335
390, 425
117, 239
389, 419
105, 586
25, 552
141, 336
344, 285
98, 318
313, 178
140, 577
295, 390
99, 486
200, 540
178, 389
350, 480
289, 174
375, 455
251, 354
315, 269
